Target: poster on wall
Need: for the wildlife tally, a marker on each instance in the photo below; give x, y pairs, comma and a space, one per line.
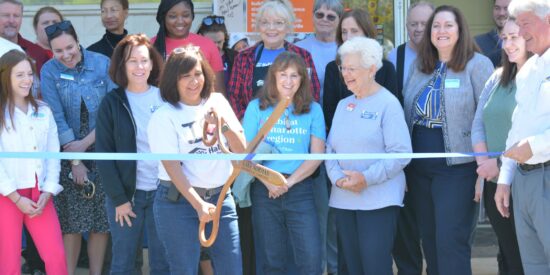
239, 14
234, 12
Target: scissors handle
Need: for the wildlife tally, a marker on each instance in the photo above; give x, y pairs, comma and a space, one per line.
216, 213
217, 133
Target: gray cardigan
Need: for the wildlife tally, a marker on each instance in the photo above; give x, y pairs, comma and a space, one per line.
458, 103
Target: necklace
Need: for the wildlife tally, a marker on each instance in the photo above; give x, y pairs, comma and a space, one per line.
108, 42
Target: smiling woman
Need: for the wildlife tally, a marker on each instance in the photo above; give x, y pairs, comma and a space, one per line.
73, 84
188, 189
440, 99
27, 185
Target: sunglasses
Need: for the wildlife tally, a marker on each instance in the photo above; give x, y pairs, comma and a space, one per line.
61, 26
329, 17
189, 49
208, 21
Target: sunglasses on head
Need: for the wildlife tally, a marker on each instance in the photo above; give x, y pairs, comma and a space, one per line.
329, 17
61, 26
208, 21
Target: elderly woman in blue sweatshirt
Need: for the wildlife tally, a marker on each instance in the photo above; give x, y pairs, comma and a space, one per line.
367, 194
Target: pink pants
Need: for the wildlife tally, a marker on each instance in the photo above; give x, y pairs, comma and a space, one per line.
45, 232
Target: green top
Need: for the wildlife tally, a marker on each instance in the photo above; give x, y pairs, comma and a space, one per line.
497, 116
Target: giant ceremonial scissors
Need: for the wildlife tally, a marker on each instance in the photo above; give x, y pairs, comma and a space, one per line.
262, 173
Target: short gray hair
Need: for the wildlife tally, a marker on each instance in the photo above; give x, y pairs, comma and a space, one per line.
539, 7
281, 8
369, 49
418, 4
15, 2
334, 5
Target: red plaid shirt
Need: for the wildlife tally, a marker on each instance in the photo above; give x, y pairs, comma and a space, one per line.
240, 82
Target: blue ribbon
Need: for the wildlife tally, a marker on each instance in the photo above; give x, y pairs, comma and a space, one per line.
152, 156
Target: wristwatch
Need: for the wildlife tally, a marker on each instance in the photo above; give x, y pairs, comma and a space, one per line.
75, 162
225, 128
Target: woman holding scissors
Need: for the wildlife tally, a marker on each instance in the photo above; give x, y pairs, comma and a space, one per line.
188, 189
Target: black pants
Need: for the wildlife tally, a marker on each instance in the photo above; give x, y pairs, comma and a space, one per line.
247, 240
407, 253
509, 260
443, 201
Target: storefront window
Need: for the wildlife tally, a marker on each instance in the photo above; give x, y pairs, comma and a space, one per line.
381, 12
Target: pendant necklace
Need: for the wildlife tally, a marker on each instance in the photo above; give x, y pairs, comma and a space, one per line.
108, 42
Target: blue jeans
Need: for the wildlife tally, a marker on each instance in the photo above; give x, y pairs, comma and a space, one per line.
292, 216
178, 227
127, 240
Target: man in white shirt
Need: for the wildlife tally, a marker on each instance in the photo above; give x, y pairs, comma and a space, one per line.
526, 162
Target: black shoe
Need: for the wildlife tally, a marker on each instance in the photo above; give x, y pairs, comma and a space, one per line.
38, 272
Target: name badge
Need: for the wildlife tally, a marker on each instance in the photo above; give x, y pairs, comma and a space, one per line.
66, 76
369, 115
452, 83
39, 115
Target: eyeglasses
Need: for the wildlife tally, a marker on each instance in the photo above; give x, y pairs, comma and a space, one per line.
208, 21
61, 26
279, 25
350, 70
329, 17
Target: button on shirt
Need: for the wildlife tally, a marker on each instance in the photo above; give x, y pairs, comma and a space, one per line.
31, 132
531, 119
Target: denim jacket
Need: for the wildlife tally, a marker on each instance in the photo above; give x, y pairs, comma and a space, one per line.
459, 102
63, 88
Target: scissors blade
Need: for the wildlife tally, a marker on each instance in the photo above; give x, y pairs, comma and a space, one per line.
273, 118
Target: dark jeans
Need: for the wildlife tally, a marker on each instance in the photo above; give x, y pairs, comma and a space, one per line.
291, 217
509, 260
365, 240
127, 240
443, 200
178, 227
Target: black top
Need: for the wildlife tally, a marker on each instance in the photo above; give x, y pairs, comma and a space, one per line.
107, 43
335, 89
116, 132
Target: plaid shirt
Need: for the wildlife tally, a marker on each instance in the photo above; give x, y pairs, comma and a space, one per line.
240, 82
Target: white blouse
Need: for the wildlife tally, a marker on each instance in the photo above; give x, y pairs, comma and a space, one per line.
30, 132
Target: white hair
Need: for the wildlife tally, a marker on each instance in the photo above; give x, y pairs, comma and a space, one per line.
369, 49
279, 8
539, 7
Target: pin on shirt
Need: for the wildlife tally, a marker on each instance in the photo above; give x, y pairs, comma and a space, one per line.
350, 107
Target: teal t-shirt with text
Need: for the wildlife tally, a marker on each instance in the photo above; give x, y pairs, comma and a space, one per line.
295, 140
